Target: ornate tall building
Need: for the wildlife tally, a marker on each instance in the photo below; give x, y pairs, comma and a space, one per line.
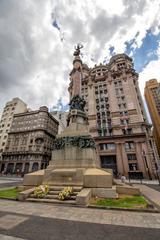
30, 141
152, 96
116, 115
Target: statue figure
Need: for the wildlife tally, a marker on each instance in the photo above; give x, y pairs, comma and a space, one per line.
77, 48
77, 103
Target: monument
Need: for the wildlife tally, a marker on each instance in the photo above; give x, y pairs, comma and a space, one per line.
74, 159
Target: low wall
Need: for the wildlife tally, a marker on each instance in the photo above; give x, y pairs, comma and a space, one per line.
33, 179
128, 190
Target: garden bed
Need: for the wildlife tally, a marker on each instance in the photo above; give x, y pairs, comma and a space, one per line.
10, 193
123, 202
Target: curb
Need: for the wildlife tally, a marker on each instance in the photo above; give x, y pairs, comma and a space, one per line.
10, 199
125, 209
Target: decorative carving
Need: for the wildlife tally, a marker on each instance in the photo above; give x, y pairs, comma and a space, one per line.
76, 141
77, 103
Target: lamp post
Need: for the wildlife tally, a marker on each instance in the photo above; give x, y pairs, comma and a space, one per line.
157, 172
146, 164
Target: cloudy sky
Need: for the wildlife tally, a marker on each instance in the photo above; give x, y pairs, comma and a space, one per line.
36, 56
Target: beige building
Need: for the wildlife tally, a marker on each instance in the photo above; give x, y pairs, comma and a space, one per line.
30, 141
12, 107
61, 117
152, 96
117, 118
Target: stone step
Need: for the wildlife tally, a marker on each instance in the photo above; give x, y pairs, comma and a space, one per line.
44, 200
48, 196
61, 187
56, 197
57, 192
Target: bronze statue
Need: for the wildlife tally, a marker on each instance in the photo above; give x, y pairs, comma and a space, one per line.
77, 48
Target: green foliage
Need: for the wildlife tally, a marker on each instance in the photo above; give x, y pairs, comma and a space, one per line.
9, 193
126, 202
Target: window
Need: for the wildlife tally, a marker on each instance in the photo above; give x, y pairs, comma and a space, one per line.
129, 145
122, 121
124, 105
133, 166
107, 146
101, 146
121, 90
110, 146
127, 131
131, 157
3, 143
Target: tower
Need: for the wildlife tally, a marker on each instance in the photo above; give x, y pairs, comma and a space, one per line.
151, 92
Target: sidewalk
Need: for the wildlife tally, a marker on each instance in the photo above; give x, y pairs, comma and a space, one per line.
88, 215
150, 193
144, 181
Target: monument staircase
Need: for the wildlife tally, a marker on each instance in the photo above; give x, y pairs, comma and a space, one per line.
52, 196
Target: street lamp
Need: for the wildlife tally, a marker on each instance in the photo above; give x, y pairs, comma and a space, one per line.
157, 172
146, 164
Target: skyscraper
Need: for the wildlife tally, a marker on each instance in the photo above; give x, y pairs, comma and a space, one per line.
152, 96
116, 115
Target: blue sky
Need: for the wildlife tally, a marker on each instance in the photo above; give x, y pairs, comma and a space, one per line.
147, 51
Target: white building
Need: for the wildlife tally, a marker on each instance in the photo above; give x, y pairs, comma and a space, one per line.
12, 107
61, 117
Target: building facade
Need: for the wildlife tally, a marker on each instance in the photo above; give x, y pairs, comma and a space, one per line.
152, 96
30, 141
61, 117
116, 115
12, 107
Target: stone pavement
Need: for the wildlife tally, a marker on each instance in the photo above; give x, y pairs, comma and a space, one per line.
123, 218
10, 181
152, 194
24, 220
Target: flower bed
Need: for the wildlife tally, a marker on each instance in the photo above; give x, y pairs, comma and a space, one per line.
65, 193
41, 191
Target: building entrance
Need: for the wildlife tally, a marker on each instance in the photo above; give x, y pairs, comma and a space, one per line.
109, 162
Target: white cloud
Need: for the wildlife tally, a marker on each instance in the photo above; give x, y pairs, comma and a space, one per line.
152, 70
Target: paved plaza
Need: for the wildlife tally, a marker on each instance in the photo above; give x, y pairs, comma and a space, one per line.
23, 220
30, 221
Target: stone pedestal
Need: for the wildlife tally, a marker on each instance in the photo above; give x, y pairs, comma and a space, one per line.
74, 160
